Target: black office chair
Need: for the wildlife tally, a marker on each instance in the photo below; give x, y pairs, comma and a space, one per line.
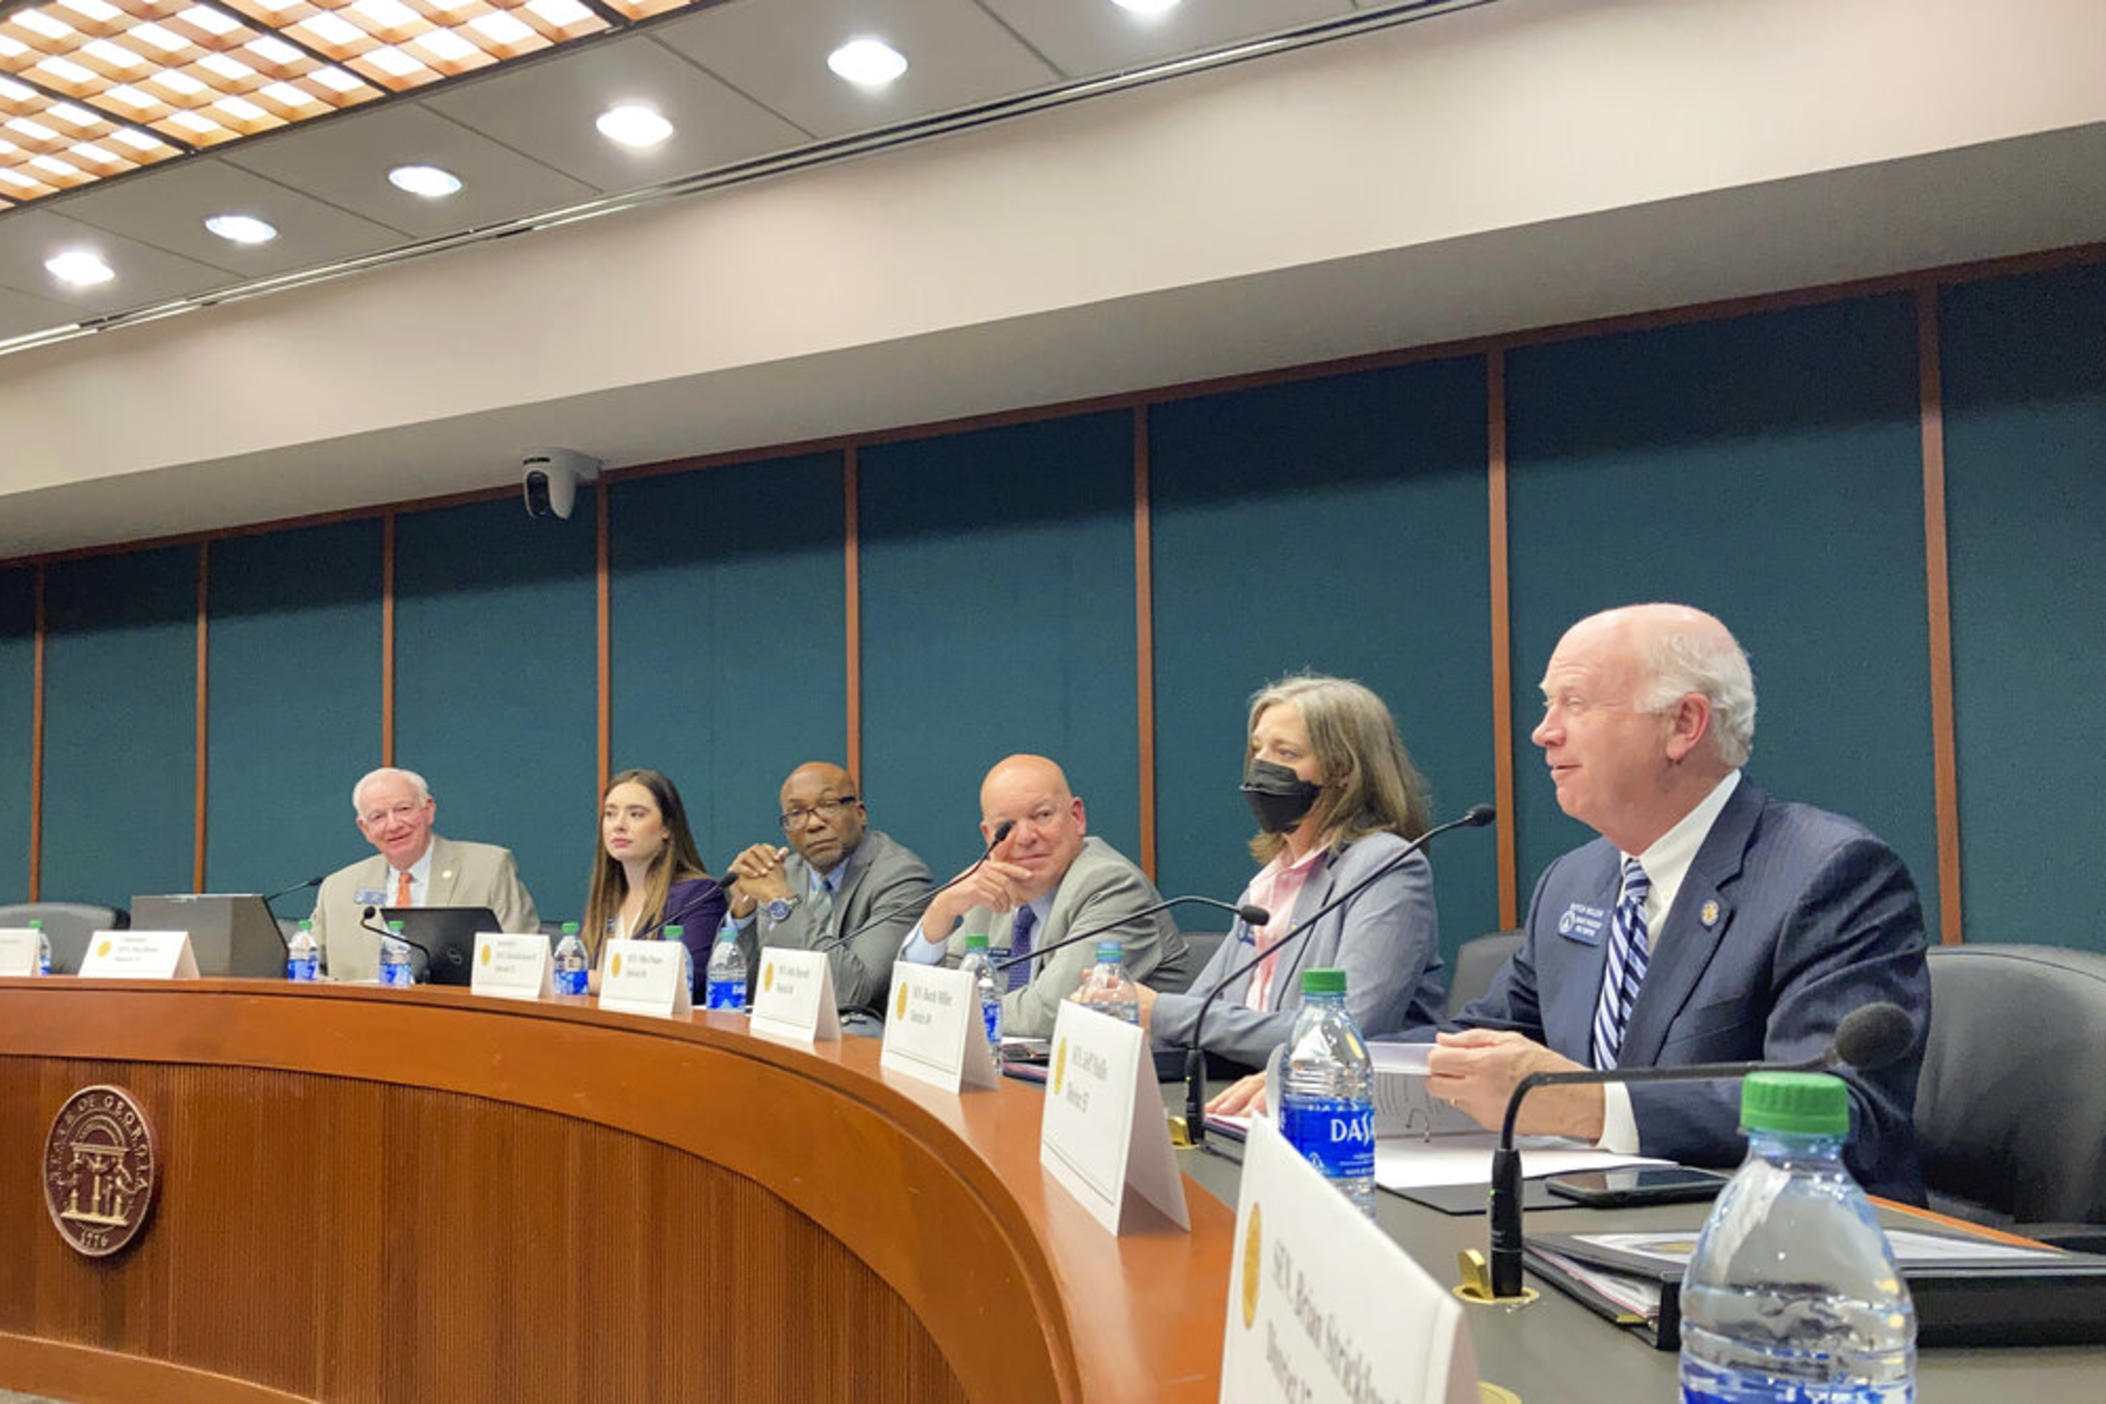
2011, 1110
1476, 962
1201, 946
68, 925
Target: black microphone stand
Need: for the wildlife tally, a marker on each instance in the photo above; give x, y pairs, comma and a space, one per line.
1251, 915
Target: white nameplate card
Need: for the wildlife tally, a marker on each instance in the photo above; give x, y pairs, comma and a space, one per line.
18, 951
1104, 1136
1323, 1305
793, 997
646, 977
934, 1031
139, 955
512, 967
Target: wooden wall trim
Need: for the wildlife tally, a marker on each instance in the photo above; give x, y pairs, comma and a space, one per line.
204, 672
387, 637
852, 610
68, 1371
603, 646
1144, 635
1945, 771
1502, 639
36, 746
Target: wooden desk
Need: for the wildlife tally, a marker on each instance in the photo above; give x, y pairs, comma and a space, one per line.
417, 1194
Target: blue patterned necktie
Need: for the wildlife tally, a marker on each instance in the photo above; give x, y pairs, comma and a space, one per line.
1629, 951
819, 896
1020, 945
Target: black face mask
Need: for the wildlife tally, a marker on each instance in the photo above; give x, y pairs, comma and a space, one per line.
1278, 797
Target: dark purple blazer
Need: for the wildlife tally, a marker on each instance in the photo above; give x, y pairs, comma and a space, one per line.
697, 908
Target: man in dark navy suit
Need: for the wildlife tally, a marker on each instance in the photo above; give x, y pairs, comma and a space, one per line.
1708, 923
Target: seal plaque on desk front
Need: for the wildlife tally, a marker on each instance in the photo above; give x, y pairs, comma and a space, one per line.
100, 1173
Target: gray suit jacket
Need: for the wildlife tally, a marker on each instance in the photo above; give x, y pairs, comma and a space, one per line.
1387, 940
1789, 919
883, 880
1099, 887
462, 875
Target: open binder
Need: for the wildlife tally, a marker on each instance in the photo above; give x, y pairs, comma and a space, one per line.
1968, 1291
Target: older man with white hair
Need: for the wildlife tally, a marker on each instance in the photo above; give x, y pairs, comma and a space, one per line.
411, 867
1708, 923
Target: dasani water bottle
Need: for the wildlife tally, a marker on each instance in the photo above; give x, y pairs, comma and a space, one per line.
1106, 988
988, 985
303, 958
394, 957
573, 966
1327, 1108
727, 973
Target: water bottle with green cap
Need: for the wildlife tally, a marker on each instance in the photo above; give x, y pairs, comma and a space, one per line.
1792, 1295
1327, 1107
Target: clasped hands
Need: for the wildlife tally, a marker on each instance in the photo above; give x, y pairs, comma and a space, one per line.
1477, 1071
760, 877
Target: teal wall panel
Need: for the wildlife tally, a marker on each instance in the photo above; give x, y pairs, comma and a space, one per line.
293, 709
1334, 526
495, 694
998, 616
2025, 454
120, 725
1767, 469
729, 637
18, 644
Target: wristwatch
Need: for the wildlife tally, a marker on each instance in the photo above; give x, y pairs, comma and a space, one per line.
779, 910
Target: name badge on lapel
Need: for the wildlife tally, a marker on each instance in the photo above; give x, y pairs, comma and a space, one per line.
1583, 924
369, 897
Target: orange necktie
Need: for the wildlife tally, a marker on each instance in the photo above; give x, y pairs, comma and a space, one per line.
402, 895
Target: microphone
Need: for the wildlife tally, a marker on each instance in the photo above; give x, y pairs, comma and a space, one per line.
1196, 1058
286, 892
1867, 1038
1250, 913
880, 918
385, 934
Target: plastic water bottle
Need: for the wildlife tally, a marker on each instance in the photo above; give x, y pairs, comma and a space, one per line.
43, 948
977, 964
678, 936
303, 958
727, 973
1327, 1105
1792, 1296
394, 957
1106, 988
573, 966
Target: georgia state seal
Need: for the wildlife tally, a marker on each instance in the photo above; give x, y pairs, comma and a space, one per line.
100, 1172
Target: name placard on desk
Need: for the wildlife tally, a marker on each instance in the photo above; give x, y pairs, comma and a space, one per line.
139, 955
793, 997
1104, 1137
646, 977
18, 950
1323, 1305
933, 1028
512, 966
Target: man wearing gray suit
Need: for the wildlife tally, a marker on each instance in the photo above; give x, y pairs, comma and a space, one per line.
841, 886
413, 867
1043, 882
1708, 923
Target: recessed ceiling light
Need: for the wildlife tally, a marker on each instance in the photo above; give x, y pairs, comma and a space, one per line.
241, 229
428, 181
633, 125
870, 62
79, 267
1146, 7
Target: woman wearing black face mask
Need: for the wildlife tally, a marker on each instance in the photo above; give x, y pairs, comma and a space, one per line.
1335, 797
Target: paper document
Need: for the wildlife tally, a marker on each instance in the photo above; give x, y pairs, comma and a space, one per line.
1403, 1106
1408, 1162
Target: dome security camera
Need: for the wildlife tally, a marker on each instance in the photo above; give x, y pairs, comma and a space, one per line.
549, 479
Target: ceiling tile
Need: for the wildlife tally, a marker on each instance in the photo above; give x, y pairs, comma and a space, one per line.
169, 209
145, 275
21, 314
547, 110
1089, 37
346, 160
776, 54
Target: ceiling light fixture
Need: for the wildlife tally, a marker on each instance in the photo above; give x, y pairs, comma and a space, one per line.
870, 63
79, 267
632, 124
428, 181
241, 228
1146, 7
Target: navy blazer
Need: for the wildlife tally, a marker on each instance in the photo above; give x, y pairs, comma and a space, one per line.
697, 908
1790, 918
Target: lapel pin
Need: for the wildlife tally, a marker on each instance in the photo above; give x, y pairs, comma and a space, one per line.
1709, 916
447, 876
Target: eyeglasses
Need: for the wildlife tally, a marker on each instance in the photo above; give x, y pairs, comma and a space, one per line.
828, 810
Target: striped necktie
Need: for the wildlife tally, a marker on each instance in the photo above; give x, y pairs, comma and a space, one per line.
1020, 945
1628, 952
819, 895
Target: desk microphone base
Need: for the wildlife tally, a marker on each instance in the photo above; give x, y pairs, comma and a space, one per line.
1476, 1285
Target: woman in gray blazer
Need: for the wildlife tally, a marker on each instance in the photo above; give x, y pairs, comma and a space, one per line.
1336, 797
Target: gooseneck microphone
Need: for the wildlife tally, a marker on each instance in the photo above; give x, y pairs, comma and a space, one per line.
1196, 1058
1250, 913
286, 892
1867, 1038
880, 918
386, 935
